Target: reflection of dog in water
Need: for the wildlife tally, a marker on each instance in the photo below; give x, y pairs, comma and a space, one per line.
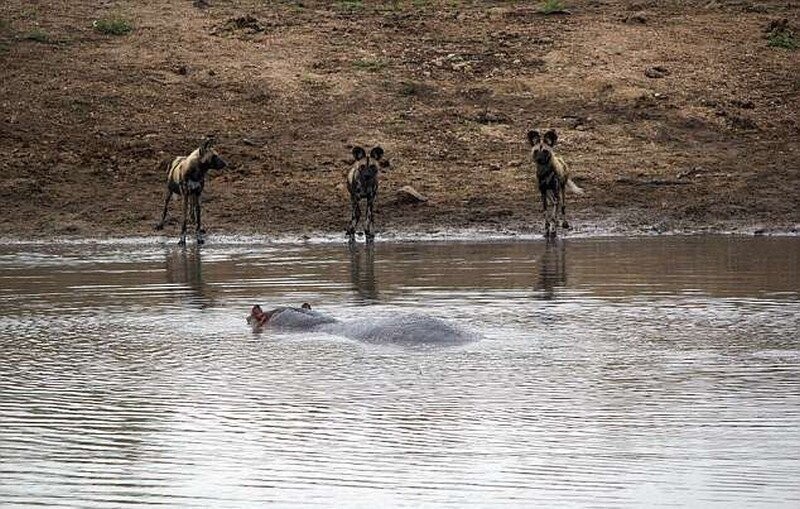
185, 267
259, 318
552, 269
362, 275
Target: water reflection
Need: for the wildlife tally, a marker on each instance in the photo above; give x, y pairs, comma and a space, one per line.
552, 269
662, 371
362, 271
185, 267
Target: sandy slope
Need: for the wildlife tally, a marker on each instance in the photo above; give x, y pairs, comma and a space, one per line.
448, 88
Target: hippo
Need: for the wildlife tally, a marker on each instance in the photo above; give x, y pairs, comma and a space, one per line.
405, 329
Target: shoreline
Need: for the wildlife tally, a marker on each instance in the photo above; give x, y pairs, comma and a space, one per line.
446, 235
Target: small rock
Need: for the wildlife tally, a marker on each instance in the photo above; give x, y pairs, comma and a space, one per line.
247, 24
743, 103
656, 72
690, 173
776, 25
408, 194
490, 117
495, 167
636, 18
742, 122
572, 121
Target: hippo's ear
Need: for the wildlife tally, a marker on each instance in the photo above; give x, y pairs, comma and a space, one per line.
376, 152
550, 137
359, 153
534, 137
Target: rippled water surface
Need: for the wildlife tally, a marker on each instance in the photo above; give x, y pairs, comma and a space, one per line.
607, 372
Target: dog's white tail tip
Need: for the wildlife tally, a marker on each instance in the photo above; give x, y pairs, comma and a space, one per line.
573, 187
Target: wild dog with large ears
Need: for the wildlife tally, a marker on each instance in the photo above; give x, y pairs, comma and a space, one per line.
186, 177
553, 178
362, 184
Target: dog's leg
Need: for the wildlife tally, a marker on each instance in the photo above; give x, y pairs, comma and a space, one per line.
185, 196
355, 215
198, 225
160, 224
370, 234
545, 213
563, 197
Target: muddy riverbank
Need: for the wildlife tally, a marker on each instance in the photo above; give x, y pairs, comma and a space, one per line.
673, 117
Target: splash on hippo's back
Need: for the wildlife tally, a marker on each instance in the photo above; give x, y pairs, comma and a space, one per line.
411, 328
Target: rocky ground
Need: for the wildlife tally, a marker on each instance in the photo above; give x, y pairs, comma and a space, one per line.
673, 115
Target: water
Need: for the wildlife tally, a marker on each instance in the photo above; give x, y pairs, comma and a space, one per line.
608, 372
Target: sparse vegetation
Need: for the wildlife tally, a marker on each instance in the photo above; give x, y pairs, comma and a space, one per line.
782, 39
113, 26
37, 35
370, 64
350, 5
552, 7
780, 35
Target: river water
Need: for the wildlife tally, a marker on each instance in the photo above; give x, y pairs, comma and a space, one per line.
661, 371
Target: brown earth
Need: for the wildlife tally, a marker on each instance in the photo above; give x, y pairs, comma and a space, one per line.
671, 115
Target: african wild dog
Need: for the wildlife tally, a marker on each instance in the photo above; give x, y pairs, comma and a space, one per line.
186, 177
553, 178
362, 184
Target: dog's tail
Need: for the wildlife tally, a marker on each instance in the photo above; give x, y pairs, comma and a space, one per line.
164, 166
573, 187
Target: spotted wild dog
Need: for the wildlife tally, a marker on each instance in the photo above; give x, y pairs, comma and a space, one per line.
186, 177
553, 179
362, 184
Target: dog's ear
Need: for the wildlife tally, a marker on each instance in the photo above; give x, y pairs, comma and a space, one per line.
534, 137
550, 137
359, 153
206, 145
376, 153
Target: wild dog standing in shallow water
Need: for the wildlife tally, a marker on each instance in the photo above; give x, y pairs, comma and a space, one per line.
186, 177
362, 184
553, 178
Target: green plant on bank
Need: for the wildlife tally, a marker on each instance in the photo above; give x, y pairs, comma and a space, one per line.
37, 35
551, 7
113, 26
782, 39
370, 64
350, 5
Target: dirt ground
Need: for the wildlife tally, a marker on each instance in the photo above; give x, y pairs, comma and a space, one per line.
708, 140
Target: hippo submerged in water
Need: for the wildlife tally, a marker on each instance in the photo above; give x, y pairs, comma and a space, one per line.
403, 329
